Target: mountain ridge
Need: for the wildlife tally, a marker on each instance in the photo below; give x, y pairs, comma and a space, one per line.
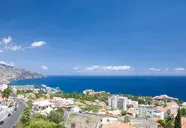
9, 73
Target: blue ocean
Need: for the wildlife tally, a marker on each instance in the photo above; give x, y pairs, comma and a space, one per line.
174, 86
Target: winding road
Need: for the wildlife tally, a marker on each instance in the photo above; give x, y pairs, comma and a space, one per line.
11, 121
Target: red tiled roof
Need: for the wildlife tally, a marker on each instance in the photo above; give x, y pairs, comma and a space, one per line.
122, 125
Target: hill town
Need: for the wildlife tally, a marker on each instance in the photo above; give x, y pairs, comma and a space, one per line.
35, 106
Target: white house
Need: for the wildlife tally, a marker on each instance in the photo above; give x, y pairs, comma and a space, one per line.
63, 101
21, 97
75, 109
43, 107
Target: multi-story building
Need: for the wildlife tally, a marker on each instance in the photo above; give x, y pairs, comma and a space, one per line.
118, 102
149, 112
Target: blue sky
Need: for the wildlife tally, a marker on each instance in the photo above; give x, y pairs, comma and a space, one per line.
93, 37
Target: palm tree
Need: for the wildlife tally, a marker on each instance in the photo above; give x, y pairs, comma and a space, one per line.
6, 93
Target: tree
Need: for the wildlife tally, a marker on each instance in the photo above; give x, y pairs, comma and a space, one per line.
29, 103
55, 116
126, 119
39, 116
162, 123
73, 125
94, 108
123, 113
51, 96
6, 93
60, 110
101, 126
167, 123
43, 124
178, 120
165, 105
183, 111
25, 118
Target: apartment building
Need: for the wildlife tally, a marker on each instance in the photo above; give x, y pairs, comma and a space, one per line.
149, 112
118, 102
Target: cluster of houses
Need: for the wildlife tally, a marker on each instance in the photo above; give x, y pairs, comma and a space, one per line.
135, 112
32, 88
140, 116
164, 97
24, 88
92, 92
45, 106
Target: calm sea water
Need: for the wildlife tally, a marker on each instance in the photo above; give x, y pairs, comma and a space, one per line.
136, 85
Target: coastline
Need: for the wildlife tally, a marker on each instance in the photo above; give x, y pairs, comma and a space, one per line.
137, 86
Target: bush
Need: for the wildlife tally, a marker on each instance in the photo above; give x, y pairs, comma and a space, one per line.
40, 116
56, 116
20, 125
25, 118
102, 97
60, 110
94, 108
43, 124
123, 113
126, 119
29, 103
183, 112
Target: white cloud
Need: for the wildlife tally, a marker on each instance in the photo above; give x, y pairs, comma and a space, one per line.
38, 44
43, 67
14, 48
108, 68
6, 44
7, 40
166, 69
179, 69
154, 69
76, 68
5, 63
